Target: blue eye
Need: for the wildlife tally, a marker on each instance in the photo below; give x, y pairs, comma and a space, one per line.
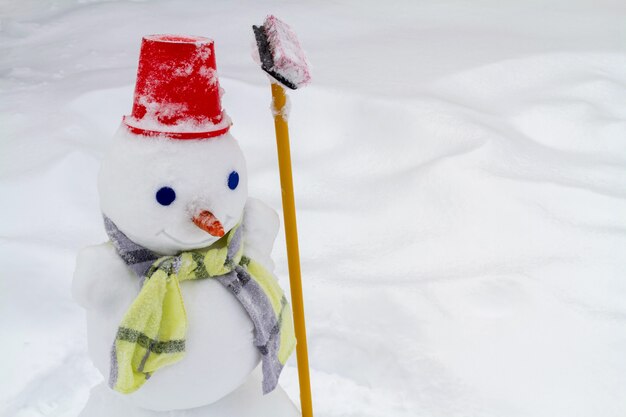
165, 196
233, 180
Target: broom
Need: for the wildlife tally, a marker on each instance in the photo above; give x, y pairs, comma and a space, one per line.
282, 57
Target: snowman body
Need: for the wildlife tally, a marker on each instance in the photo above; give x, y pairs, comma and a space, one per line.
174, 180
220, 354
219, 350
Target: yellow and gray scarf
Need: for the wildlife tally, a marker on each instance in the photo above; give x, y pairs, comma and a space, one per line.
153, 330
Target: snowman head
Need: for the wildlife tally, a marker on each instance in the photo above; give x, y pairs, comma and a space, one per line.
173, 195
174, 178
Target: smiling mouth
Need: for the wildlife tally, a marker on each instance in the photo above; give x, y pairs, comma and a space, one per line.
180, 242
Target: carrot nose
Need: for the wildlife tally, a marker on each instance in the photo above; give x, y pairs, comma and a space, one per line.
206, 221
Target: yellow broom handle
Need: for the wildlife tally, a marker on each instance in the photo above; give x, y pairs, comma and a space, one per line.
293, 254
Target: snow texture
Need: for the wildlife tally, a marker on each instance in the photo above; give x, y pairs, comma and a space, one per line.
459, 171
284, 111
288, 56
219, 338
136, 167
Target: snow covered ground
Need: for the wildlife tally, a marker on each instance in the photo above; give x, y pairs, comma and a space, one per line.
461, 185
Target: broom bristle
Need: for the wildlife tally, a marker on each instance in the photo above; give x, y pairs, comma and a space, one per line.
281, 54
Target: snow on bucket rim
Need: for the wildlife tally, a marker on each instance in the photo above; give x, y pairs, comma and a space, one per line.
172, 38
185, 130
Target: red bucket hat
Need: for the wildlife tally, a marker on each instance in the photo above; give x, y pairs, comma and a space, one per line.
177, 94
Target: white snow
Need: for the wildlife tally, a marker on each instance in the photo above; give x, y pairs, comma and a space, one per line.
460, 171
136, 167
150, 121
284, 111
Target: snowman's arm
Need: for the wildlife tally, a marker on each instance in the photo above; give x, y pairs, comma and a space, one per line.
260, 225
101, 279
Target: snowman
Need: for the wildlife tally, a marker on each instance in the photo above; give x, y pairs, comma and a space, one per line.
184, 316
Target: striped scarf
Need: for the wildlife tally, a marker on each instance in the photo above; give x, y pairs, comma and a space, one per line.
152, 332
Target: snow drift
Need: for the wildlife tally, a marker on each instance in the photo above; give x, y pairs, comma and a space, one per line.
460, 173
